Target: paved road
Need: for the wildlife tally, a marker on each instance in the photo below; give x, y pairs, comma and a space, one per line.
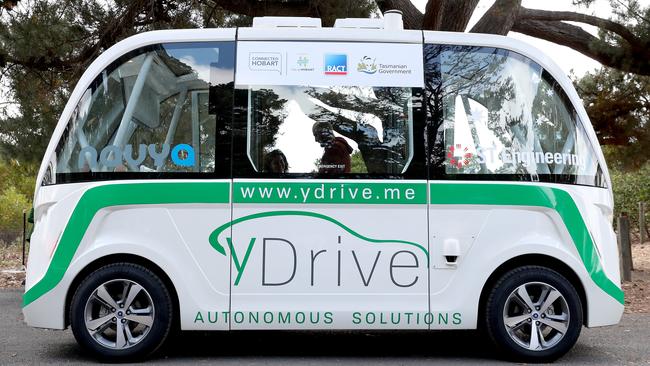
627, 343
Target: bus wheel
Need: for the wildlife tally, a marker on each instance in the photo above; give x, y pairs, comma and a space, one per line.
533, 314
121, 312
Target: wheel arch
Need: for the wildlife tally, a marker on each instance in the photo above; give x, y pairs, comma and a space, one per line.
122, 258
536, 260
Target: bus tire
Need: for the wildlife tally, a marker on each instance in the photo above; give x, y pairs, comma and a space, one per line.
533, 314
121, 312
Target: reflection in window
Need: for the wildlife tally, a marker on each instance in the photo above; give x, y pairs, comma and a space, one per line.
501, 113
333, 130
150, 111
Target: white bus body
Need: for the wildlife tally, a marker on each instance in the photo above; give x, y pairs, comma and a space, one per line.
323, 178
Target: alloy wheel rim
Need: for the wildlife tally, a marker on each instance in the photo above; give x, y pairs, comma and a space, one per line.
119, 314
536, 316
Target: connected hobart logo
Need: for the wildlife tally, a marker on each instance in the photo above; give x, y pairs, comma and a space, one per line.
336, 64
265, 61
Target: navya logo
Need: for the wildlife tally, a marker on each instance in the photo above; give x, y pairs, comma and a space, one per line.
112, 156
336, 64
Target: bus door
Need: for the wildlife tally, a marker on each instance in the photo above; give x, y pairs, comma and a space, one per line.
329, 224
492, 117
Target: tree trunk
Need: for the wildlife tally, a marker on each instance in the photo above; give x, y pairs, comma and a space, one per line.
448, 15
500, 18
268, 8
624, 58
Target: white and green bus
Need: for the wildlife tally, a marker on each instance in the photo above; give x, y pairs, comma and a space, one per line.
288, 176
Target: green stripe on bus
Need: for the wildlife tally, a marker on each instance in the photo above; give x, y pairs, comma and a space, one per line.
168, 193
528, 195
103, 196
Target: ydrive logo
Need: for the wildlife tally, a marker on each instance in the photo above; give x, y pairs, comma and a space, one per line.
336, 64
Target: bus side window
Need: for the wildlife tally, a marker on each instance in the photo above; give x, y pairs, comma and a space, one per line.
502, 115
150, 112
330, 130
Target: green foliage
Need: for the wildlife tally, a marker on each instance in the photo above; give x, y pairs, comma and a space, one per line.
618, 105
630, 188
12, 204
45, 46
268, 114
624, 51
16, 190
20, 177
35, 95
357, 163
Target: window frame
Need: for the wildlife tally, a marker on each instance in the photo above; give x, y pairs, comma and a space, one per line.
243, 168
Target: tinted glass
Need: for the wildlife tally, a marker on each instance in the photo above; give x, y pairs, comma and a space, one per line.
498, 115
152, 112
333, 130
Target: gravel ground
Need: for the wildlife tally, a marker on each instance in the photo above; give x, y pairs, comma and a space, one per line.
637, 292
11, 271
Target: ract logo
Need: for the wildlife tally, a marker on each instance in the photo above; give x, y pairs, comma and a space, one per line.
336, 64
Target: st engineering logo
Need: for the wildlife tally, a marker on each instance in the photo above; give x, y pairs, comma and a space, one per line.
336, 64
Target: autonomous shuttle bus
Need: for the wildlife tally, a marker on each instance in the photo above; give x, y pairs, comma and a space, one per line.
288, 176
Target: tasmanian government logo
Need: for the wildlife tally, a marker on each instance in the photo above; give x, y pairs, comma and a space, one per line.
367, 65
336, 64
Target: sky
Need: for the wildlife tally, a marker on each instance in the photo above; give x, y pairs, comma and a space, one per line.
568, 59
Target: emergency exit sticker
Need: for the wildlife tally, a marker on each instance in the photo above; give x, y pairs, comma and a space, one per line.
329, 64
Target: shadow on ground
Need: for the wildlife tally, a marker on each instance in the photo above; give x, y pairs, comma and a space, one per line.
326, 346
625, 343
331, 344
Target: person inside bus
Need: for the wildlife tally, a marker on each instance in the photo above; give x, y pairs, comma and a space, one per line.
337, 151
276, 162
380, 155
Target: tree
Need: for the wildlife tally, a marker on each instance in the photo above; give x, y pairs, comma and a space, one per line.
267, 116
8, 4
622, 43
618, 105
45, 45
